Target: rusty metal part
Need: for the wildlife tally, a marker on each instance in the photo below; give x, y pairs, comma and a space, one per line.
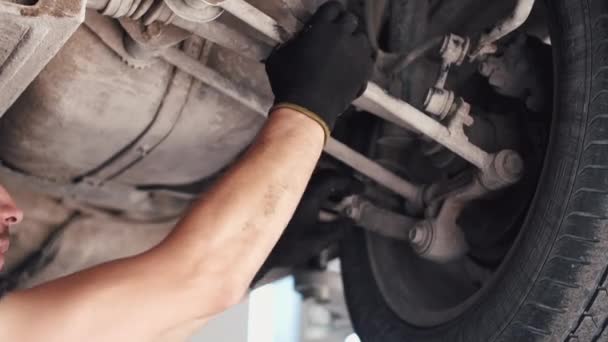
146, 42
30, 35
261, 105
111, 35
513, 21
440, 239
195, 16
140, 46
377, 220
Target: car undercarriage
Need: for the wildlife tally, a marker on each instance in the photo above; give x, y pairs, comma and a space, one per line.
475, 145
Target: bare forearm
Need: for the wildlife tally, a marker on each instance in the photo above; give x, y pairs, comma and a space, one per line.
203, 266
231, 230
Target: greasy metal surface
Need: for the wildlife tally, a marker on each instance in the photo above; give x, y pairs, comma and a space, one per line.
377, 220
105, 105
84, 107
159, 127
212, 131
440, 239
143, 41
29, 37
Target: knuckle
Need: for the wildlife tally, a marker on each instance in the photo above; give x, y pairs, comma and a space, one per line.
348, 22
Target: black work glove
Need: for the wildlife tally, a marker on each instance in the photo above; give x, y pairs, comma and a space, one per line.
305, 237
324, 68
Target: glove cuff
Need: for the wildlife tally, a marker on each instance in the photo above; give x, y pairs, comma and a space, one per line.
313, 116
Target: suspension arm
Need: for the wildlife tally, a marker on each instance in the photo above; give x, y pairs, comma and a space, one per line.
260, 105
377, 101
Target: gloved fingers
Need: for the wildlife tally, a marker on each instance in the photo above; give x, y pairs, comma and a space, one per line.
365, 44
328, 12
348, 22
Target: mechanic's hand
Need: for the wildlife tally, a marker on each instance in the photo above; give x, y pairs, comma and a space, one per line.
305, 236
324, 68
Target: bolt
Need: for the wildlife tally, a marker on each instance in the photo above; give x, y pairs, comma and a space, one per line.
416, 235
507, 168
154, 30
513, 164
439, 102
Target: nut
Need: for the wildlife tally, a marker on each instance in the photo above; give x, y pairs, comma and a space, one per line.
439, 102
420, 237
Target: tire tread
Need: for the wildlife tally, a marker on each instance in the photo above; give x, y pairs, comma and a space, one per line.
588, 201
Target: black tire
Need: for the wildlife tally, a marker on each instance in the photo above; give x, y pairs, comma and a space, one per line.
553, 286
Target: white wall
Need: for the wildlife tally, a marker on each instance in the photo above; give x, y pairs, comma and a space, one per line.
231, 326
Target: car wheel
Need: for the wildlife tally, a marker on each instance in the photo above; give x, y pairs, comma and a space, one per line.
551, 284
